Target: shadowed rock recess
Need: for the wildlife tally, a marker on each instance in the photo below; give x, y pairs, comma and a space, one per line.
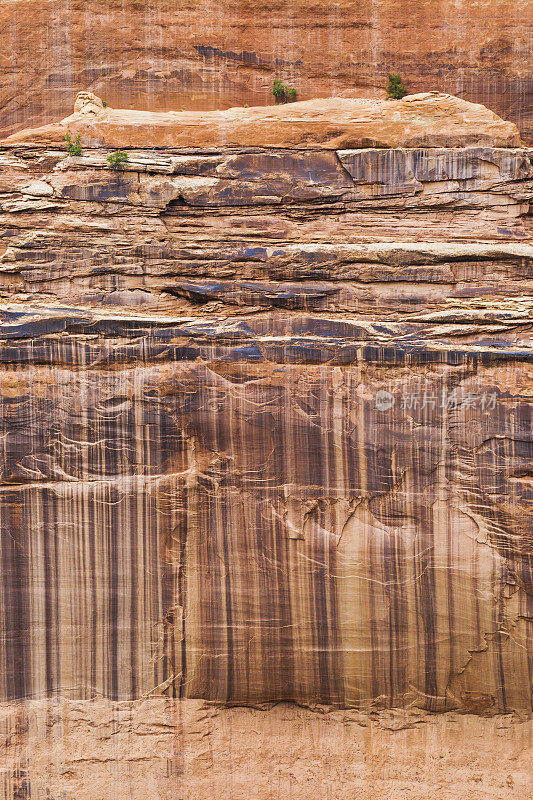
266, 417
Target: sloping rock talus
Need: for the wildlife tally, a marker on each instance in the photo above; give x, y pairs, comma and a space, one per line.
266, 419
160, 55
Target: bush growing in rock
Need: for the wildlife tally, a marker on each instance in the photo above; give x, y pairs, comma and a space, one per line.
396, 89
279, 91
282, 93
73, 147
117, 159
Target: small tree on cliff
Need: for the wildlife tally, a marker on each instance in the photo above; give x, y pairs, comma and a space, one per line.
396, 89
117, 159
282, 93
73, 147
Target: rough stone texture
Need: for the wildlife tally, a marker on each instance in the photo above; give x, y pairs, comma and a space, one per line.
188, 750
266, 419
159, 55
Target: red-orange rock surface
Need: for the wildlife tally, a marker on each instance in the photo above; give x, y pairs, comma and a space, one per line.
198, 54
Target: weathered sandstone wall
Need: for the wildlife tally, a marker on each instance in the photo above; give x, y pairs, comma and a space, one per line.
187, 750
266, 424
160, 55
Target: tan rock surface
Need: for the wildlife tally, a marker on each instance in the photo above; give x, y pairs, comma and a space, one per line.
159, 55
187, 750
424, 120
88, 103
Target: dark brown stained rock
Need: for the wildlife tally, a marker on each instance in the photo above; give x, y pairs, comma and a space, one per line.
322, 511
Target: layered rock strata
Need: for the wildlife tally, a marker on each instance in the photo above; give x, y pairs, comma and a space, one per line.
266, 421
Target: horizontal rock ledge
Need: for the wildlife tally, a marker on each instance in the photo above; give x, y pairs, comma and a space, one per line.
431, 119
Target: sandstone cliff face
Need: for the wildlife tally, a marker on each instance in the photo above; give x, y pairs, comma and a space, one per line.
160, 55
266, 417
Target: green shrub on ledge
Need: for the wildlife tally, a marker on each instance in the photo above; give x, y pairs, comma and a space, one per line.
117, 159
279, 91
282, 93
396, 88
73, 147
